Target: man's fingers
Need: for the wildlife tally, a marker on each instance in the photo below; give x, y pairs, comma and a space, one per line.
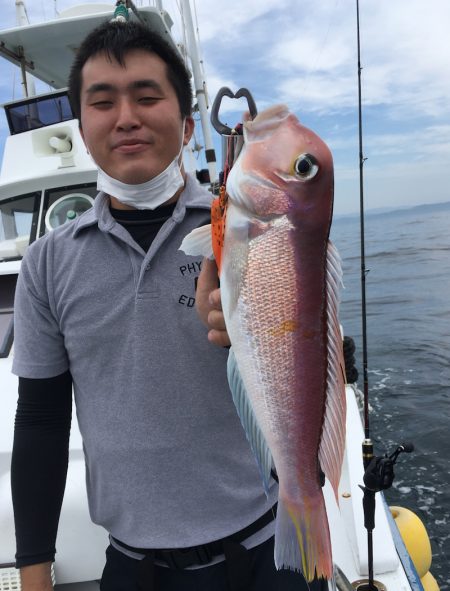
208, 279
219, 337
209, 305
216, 320
215, 299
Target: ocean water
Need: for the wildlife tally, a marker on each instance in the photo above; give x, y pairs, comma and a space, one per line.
408, 338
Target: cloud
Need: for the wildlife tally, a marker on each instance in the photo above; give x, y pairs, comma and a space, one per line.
304, 54
233, 21
310, 55
429, 140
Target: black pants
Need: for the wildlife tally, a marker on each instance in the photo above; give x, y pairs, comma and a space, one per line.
121, 574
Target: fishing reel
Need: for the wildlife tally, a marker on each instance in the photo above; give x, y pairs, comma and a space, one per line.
378, 475
379, 471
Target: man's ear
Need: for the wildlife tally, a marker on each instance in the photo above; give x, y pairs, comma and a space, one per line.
188, 129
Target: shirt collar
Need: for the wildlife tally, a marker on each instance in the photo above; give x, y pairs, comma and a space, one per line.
192, 196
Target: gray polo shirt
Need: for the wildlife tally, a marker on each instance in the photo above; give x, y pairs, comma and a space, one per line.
167, 461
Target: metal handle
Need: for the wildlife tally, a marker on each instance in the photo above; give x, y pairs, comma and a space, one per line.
220, 127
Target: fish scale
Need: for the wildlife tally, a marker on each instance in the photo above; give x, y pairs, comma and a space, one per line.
262, 320
278, 369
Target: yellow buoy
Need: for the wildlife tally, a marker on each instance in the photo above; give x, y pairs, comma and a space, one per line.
415, 538
429, 583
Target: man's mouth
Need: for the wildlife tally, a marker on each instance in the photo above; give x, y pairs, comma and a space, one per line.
131, 145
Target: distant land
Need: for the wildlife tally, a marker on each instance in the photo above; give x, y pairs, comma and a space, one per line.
396, 208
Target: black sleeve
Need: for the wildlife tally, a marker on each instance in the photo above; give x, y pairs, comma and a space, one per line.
39, 464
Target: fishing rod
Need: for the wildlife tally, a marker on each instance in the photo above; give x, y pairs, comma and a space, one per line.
364, 271
367, 445
378, 471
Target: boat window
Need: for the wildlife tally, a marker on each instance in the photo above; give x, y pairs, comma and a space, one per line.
7, 289
18, 224
66, 203
37, 112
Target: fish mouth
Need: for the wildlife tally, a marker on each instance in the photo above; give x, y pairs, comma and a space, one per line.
273, 114
265, 124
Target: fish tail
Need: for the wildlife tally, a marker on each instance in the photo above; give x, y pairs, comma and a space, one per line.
302, 538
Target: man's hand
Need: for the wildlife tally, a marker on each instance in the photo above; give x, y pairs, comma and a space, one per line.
36, 577
209, 304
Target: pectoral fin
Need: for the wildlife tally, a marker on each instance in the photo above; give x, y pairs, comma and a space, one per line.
198, 242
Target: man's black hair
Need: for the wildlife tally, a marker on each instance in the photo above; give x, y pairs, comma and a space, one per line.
116, 39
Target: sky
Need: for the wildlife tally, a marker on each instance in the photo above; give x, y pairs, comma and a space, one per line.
304, 54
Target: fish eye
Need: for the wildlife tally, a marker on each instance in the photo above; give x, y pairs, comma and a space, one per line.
306, 166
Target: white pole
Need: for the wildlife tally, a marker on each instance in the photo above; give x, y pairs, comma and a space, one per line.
29, 88
200, 90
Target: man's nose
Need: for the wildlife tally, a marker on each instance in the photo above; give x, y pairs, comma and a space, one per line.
127, 117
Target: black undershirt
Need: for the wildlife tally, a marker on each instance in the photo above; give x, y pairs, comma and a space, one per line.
143, 224
42, 429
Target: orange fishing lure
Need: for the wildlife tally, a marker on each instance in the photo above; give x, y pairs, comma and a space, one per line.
218, 219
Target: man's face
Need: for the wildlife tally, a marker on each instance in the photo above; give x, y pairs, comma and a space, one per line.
130, 116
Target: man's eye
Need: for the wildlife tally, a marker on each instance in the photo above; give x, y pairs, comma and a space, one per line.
101, 104
148, 99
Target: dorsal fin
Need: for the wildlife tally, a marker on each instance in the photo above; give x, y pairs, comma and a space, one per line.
332, 444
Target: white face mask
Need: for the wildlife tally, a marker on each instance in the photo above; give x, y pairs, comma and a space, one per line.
147, 195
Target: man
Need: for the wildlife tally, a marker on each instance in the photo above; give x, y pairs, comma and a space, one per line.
106, 305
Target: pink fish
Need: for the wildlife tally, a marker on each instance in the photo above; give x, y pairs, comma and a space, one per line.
280, 278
